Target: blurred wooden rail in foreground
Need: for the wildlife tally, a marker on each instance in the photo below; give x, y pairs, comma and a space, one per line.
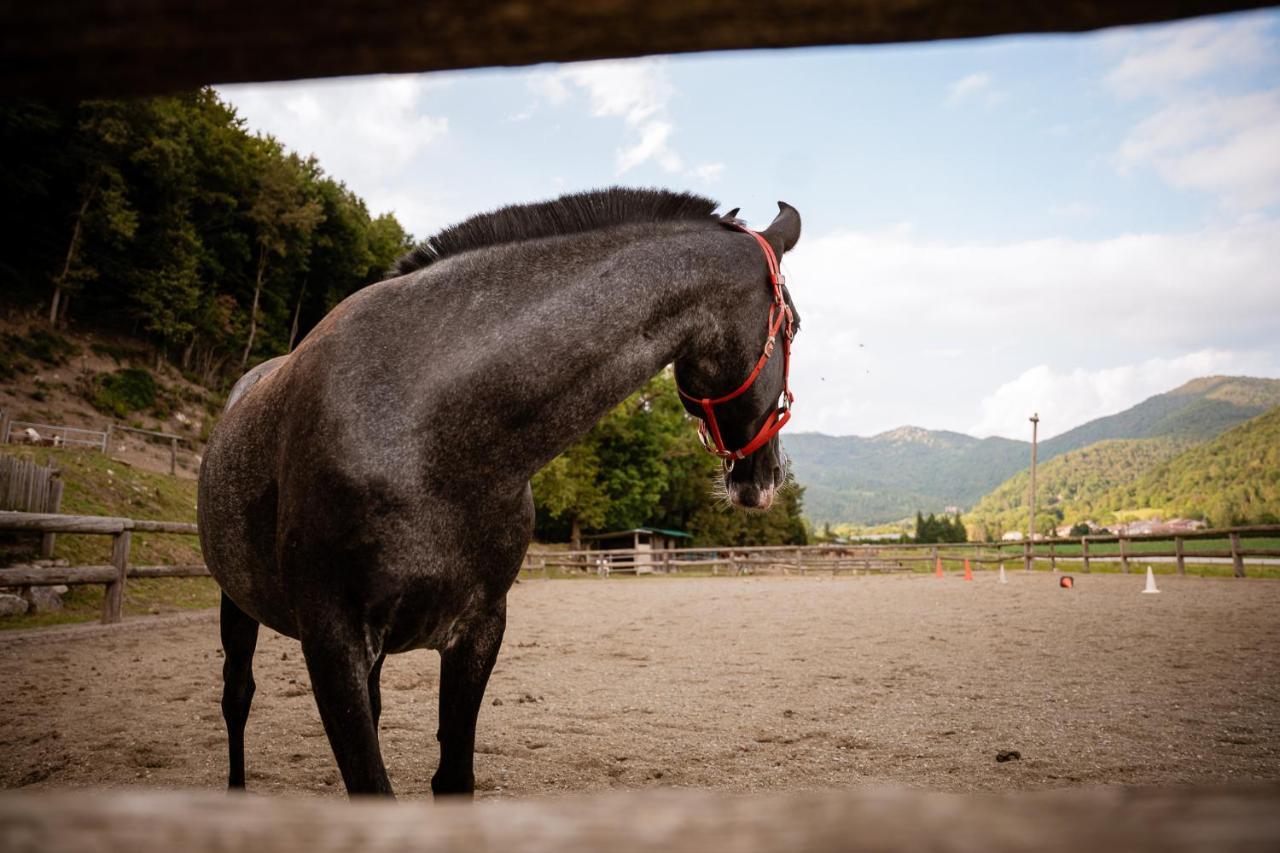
1093, 819
89, 48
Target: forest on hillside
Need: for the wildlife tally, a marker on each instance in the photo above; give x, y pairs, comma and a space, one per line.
166, 218
1230, 480
1233, 479
1069, 487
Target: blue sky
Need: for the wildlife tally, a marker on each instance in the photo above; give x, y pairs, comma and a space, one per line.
1066, 224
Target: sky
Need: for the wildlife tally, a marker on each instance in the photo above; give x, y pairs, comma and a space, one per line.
1056, 224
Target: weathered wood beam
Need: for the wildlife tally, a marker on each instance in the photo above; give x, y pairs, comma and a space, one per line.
80, 48
1167, 820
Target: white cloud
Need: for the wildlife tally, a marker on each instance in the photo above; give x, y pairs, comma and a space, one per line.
886, 306
357, 127
1229, 147
1068, 398
1162, 60
709, 172
366, 132
637, 91
652, 145
1202, 140
967, 86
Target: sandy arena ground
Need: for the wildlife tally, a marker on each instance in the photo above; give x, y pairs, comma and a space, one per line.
733, 684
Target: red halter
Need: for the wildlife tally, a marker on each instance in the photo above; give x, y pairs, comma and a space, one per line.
708, 429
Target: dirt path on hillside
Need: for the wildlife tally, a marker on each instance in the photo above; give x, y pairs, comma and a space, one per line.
735, 684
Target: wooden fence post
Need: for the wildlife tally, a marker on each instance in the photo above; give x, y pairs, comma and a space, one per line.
1124, 555
173, 457
1237, 559
4, 426
106, 439
800, 561
1177, 552
1026, 556
113, 601
1053, 557
1084, 553
52, 504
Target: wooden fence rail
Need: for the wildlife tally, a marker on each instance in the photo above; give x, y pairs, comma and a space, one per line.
893, 556
1099, 819
12, 431
115, 575
784, 559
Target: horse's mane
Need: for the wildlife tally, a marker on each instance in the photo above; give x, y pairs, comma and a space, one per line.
570, 214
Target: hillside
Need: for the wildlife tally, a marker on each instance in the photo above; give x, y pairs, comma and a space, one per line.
1071, 486
1197, 411
891, 475
1233, 479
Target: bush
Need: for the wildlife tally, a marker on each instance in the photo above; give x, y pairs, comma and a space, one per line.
125, 391
50, 347
121, 354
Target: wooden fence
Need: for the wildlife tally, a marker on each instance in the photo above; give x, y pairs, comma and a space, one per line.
115, 575
28, 487
770, 559
56, 435
891, 557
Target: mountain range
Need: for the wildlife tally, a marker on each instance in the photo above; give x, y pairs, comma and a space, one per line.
885, 477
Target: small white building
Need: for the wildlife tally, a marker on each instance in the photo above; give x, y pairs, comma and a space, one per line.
1012, 536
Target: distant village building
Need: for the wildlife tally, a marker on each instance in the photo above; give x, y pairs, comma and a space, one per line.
1157, 527
1012, 536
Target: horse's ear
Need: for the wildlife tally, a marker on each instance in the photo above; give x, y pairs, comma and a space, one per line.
784, 231
731, 216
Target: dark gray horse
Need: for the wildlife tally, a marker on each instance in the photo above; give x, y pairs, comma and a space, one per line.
369, 493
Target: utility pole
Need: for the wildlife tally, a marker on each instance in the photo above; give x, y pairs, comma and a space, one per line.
1031, 528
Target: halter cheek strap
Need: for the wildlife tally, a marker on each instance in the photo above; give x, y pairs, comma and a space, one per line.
779, 312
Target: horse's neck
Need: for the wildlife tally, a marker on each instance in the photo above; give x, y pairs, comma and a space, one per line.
614, 325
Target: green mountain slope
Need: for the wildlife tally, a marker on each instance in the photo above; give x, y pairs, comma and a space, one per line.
1233, 479
891, 475
1071, 486
1198, 410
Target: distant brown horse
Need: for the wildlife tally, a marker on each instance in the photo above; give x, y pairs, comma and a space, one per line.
369, 493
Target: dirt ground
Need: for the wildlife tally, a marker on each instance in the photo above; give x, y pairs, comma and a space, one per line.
736, 684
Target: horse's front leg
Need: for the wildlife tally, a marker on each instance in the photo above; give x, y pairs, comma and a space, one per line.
465, 665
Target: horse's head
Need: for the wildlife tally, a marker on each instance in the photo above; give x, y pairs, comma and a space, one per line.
735, 379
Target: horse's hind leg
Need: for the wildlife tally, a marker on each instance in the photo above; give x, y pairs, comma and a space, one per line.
375, 690
239, 639
465, 665
342, 674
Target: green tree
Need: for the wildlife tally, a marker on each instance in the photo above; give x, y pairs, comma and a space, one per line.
283, 214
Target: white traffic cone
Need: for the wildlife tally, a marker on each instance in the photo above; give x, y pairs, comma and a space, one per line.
1003, 579
1151, 581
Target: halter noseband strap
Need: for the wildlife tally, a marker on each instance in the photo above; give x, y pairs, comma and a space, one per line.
779, 312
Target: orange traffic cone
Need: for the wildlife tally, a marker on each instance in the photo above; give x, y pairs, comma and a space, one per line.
968, 572
939, 571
